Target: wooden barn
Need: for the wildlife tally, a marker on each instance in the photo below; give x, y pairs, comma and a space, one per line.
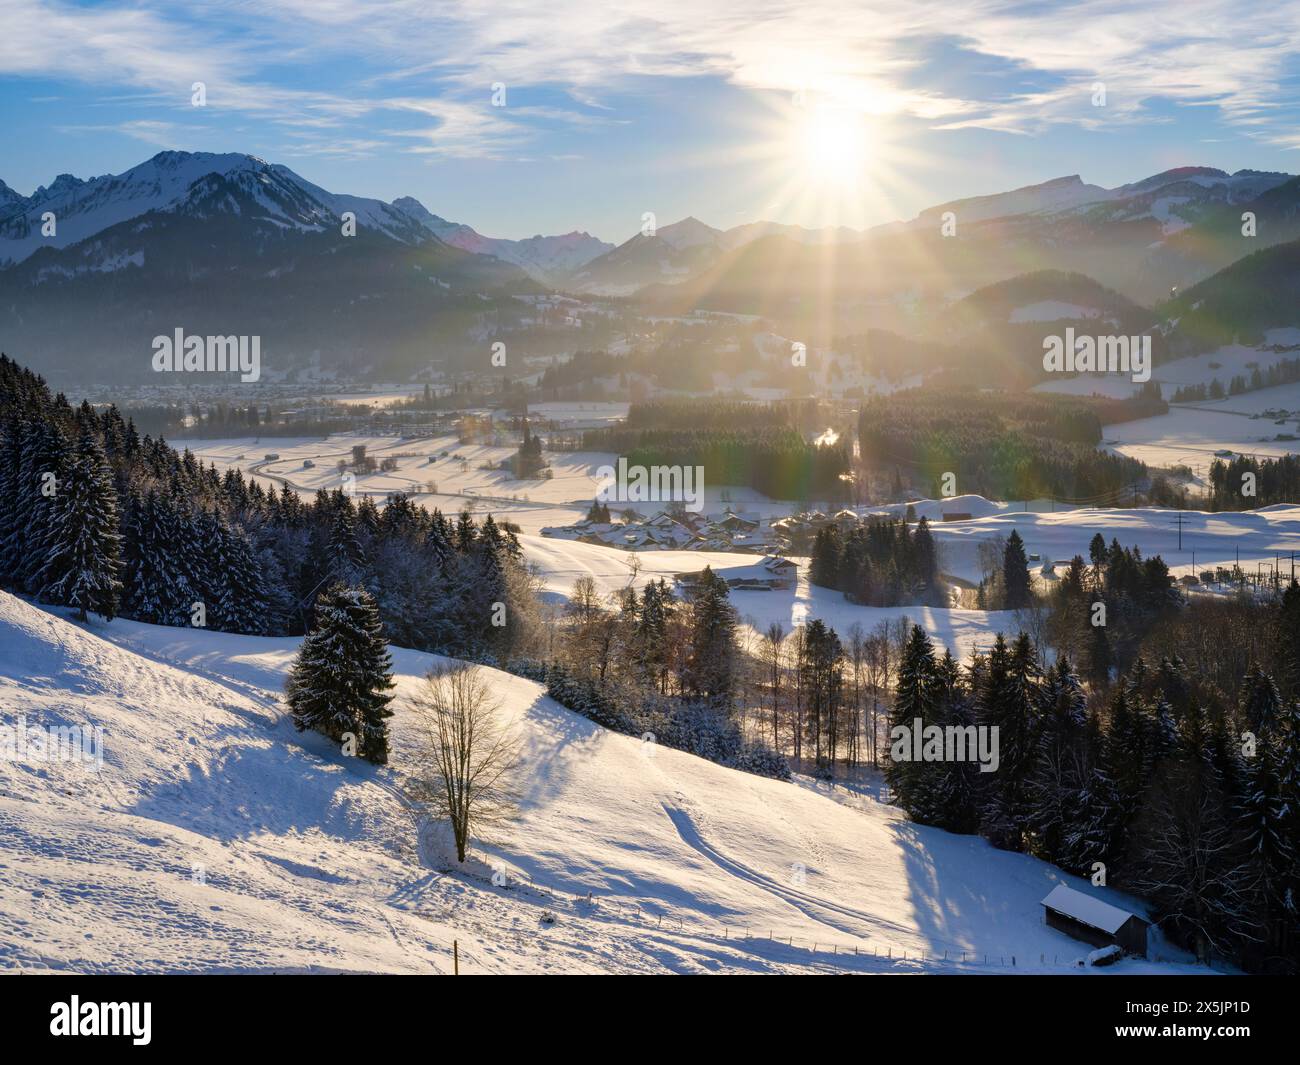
1087, 918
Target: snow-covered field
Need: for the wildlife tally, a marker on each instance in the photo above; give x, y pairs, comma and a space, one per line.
532, 504
1268, 535
1253, 536
1225, 363
561, 562
1189, 436
215, 838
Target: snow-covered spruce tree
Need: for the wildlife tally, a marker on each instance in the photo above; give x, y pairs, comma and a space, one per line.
1093, 822
1264, 817
1287, 641
951, 788
241, 601
82, 563
1058, 770
198, 533
913, 699
13, 522
156, 588
43, 469
711, 656
1122, 764
1185, 855
347, 562
1007, 702
340, 680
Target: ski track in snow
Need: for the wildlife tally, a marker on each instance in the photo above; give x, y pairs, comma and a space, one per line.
810, 906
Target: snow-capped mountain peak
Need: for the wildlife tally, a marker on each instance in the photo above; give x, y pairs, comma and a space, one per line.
197, 183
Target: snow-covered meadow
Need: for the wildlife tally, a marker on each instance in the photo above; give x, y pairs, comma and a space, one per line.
216, 839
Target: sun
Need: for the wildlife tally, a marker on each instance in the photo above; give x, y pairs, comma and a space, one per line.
833, 147
819, 161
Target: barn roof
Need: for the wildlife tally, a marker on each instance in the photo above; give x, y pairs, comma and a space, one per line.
1086, 909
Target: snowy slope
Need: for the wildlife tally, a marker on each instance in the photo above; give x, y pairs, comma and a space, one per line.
311, 864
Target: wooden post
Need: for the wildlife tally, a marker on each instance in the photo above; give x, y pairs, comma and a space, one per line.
455, 956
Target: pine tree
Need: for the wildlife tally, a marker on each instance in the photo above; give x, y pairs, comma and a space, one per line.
43, 472
82, 566
1015, 573
651, 637
346, 562
824, 568
13, 522
1099, 655
926, 556
1059, 770
1286, 761
1260, 702
1092, 830
1287, 642
711, 655
156, 588
241, 604
465, 534
821, 660
340, 678
1007, 703
1265, 822
951, 791
1125, 766
913, 699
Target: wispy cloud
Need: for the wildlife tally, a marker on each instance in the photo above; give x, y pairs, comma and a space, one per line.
1032, 66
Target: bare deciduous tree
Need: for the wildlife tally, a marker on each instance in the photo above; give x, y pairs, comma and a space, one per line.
773, 640
467, 755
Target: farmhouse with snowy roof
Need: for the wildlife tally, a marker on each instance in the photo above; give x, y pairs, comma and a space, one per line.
771, 573
1087, 918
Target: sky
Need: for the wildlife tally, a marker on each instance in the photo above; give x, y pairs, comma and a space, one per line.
528, 117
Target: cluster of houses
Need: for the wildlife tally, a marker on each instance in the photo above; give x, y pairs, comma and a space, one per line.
681, 531
686, 531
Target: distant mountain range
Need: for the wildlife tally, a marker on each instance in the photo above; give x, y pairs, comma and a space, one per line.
1144, 240
232, 244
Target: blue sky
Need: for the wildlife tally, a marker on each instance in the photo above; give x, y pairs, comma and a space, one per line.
820, 112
